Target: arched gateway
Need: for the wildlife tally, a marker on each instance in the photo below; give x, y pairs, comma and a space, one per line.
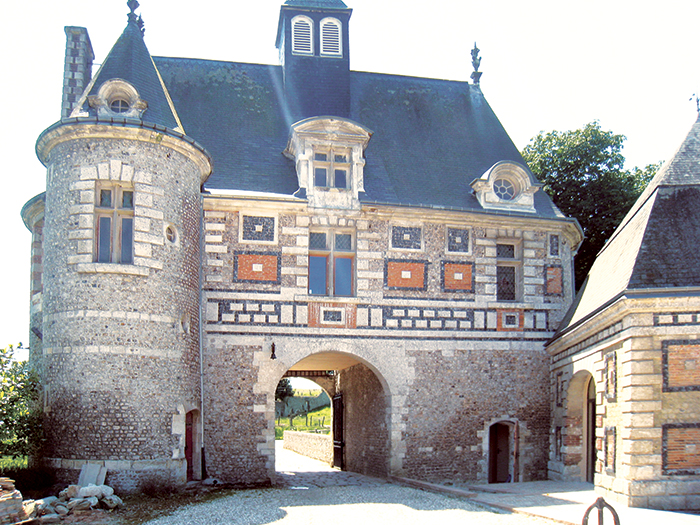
361, 409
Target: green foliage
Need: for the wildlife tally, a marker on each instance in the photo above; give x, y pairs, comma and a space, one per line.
583, 172
284, 389
20, 417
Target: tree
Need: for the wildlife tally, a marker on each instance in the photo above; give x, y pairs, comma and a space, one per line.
284, 390
583, 172
20, 417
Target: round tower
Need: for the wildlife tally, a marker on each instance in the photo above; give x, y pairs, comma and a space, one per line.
120, 353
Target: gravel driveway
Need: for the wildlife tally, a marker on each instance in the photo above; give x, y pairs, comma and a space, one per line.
386, 504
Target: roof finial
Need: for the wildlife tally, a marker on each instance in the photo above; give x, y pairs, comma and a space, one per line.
476, 62
133, 5
697, 101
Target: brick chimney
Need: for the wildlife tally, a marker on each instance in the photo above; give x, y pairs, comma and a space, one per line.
77, 70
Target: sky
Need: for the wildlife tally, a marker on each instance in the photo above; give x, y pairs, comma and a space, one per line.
633, 65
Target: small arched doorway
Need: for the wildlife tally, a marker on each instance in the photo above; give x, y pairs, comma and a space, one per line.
502, 465
193, 446
581, 453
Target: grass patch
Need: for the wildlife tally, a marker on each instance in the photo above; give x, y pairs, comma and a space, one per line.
319, 422
9, 462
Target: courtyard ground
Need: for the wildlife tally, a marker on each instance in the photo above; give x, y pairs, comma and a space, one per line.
311, 493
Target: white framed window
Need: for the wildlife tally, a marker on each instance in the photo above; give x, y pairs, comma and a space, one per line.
302, 35
332, 263
114, 224
332, 168
331, 37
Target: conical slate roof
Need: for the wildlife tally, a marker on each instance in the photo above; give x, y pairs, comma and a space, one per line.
130, 60
657, 244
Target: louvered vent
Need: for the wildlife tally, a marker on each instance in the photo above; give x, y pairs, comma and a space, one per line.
330, 37
302, 41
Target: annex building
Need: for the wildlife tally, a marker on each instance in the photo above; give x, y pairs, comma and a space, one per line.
210, 227
626, 359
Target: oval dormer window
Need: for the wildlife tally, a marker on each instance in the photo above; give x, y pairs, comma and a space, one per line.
119, 105
505, 189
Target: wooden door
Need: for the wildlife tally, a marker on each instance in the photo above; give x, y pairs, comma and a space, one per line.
338, 442
189, 419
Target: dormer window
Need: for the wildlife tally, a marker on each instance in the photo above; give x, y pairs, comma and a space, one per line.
508, 186
329, 156
505, 189
118, 98
331, 42
332, 169
302, 36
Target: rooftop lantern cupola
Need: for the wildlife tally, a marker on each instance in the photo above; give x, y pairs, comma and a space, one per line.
313, 42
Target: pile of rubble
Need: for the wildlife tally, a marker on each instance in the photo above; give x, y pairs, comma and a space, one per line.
76, 500
10, 502
73, 500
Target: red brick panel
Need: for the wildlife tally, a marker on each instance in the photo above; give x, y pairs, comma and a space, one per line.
555, 283
504, 318
683, 365
458, 277
321, 315
405, 274
682, 449
257, 267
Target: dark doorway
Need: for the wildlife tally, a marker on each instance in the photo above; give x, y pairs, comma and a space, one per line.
591, 454
189, 444
338, 442
499, 453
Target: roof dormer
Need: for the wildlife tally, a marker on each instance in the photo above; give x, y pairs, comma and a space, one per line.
329, 157
313, 43
507, 185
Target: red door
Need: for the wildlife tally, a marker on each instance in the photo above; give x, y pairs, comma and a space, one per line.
188, 445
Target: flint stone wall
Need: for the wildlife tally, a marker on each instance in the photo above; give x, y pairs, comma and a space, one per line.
314, 446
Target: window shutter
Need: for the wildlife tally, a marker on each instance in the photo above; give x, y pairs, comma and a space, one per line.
330, 37
302, 36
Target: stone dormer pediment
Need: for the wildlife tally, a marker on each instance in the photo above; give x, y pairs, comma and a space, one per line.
507, 185
329, 157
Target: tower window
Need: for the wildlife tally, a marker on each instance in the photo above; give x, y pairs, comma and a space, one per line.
114, 212
331, 263
302, 36
331, 37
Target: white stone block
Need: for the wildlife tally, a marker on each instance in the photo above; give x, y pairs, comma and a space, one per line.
88, 173
302, 314
127, 173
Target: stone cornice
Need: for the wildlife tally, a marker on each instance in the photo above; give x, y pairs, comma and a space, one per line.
622, 308
123, 129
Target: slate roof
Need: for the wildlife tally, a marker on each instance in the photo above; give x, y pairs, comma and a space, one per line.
431, 138
130, 60
324, 4
656, 245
